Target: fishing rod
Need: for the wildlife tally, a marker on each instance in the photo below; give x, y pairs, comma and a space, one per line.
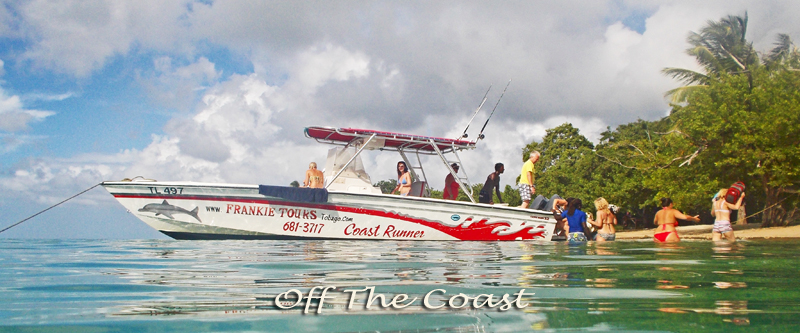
464, 135
480, 135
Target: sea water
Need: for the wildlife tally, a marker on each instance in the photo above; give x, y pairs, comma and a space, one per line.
231, 286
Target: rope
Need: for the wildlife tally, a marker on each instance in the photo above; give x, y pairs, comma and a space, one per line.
48, 208
763, 210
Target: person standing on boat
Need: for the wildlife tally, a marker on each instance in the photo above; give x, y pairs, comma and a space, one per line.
721, 210
403, 179
526, 187
314, 177
451, 185
666, 220
492, 182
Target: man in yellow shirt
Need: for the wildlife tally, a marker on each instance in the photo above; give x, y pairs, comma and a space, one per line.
526, 187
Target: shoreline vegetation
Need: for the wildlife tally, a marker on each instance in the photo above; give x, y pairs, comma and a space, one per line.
703, 232
733, 121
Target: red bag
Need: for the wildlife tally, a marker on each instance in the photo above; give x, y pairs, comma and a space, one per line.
734, 192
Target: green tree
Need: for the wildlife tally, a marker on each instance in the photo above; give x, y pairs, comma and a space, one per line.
565, 164
738, 122
785, 55
752, 135
511, 196
720, 48
619, 174
476, 190
386, 186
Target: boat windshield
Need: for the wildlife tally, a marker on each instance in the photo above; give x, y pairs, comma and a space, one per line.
338, 158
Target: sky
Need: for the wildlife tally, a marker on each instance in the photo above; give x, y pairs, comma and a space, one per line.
220, 91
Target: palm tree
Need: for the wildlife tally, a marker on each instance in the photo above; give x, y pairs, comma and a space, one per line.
784, 56
719, 48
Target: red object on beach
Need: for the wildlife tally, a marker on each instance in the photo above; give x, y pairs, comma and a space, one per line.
734, 192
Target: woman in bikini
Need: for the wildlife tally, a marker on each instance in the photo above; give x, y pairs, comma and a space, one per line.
314, 177
605, 221
721, 209
403, 179
666, 219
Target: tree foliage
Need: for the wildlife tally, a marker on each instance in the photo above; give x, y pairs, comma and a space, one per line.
741, 123
739, 120
386, 186
564, 164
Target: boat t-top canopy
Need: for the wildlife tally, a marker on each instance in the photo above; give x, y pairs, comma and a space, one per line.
418, 144
387, 140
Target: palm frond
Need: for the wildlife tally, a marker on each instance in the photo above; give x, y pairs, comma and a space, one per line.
687, 77
682, 94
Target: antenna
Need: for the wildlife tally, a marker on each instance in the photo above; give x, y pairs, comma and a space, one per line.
464, 135
480, 135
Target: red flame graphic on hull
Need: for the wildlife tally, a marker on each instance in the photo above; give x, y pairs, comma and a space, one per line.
483, 230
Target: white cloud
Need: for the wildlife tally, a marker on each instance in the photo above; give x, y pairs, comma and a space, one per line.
395, 66
177, 87
78, 37
321, 64
14, 116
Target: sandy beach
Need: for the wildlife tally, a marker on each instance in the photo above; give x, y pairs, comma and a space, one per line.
748, 231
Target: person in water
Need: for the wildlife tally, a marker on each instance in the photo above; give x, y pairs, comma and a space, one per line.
451, 185
721, 210
403, 179
559, 207
492, 182
526, 178
576, 219
666, 219
605, 221
314, 177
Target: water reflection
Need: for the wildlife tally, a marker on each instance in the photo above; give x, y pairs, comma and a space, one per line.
596, 286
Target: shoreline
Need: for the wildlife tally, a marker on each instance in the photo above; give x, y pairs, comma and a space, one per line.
703, 232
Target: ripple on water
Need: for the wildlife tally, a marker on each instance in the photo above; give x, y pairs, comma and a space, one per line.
137, 285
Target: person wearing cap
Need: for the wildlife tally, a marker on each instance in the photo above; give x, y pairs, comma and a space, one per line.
492, 182
451, 185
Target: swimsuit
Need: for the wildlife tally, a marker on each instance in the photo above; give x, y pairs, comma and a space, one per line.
403, 182
577, 237
608, 237
662, 236
722, 226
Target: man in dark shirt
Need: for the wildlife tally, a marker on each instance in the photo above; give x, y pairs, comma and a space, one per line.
493, 181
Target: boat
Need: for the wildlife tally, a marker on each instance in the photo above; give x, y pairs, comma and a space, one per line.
349, 207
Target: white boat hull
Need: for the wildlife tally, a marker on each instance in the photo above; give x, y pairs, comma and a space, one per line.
187, 210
